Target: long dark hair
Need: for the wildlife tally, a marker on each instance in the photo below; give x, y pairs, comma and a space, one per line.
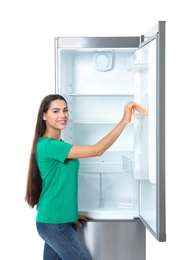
34, 180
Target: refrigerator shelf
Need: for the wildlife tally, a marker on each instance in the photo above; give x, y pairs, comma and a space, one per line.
110, 214
100, 94
104, 166
92, 122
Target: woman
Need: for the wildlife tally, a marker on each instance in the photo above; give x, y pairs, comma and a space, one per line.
52, 182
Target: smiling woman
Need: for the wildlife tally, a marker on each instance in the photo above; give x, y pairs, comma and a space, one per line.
52, 182
56, 118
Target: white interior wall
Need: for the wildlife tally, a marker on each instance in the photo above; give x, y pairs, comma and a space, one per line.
27, 36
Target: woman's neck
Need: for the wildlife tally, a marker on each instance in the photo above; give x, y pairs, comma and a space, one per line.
55, 135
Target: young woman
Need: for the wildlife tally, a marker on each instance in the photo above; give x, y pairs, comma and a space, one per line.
52, 182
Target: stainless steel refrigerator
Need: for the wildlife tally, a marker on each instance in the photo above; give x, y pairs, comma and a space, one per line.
124, 189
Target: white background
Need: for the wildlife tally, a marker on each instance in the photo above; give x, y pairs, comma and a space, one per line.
27, 31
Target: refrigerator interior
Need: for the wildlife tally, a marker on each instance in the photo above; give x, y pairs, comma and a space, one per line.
97, 83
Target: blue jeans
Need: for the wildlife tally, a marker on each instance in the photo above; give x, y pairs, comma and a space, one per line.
62, 242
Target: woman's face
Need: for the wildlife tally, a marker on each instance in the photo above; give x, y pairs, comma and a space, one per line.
56, 117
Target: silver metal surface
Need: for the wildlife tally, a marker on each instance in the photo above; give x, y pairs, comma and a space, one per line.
161, 134
114, 240
98, 42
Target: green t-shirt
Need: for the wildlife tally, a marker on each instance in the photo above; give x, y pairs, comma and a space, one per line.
58, 199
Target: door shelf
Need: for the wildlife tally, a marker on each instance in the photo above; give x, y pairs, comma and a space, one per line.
141, 67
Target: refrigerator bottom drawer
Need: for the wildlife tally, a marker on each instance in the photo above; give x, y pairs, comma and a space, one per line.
113, 240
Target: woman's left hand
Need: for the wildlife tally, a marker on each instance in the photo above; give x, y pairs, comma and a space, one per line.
82, 217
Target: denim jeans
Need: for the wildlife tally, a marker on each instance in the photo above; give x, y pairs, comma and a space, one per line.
62, 242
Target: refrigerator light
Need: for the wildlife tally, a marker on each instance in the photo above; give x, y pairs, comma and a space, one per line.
102, 61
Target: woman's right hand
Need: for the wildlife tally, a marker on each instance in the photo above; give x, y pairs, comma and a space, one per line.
128, 111
140, 109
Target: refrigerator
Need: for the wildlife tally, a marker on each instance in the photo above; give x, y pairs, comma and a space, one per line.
124, 189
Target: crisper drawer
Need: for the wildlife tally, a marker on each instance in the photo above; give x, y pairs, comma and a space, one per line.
107, 183
111, 191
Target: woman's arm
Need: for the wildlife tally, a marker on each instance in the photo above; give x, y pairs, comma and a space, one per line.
101, 146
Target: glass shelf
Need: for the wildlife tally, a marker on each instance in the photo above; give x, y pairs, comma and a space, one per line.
75, 121
124, 166
100, 94
101, 168
110, 214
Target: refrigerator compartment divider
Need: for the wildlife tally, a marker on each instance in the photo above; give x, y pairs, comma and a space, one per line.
124, 166
114, 161
76, 121
104, 168
110, 214
100, 94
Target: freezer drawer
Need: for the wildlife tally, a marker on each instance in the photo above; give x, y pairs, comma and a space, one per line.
114, 240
